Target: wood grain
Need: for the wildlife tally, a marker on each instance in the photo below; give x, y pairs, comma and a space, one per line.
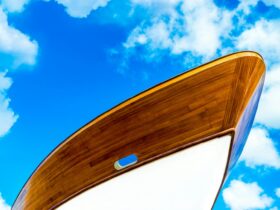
202, 103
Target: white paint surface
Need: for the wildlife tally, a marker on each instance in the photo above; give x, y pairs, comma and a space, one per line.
186, 180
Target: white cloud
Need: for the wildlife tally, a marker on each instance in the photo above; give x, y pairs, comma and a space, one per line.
272, 77
158, 7
246, 6
156, 36
277, 192
204, 27
198, 27
262, 37
275, 3
245, 196
8, 117
5, 82
16, 48
260, 150
3, 204
149, 3
14, 5
82, 8
155, 33
268, 112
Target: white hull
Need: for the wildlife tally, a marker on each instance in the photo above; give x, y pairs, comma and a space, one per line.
189, 179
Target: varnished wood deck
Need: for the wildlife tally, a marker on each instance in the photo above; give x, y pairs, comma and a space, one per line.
200, 104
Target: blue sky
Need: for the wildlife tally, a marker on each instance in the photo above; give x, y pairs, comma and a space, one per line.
62, 63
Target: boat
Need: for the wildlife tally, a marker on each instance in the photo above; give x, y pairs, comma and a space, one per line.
169, 147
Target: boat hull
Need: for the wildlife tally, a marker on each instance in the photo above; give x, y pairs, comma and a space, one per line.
211, 101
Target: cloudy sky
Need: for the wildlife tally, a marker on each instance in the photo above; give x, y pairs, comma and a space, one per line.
63, 62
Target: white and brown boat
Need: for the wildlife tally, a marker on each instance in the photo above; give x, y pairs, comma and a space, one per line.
168, 148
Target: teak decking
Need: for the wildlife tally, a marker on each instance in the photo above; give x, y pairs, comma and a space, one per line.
214, 99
